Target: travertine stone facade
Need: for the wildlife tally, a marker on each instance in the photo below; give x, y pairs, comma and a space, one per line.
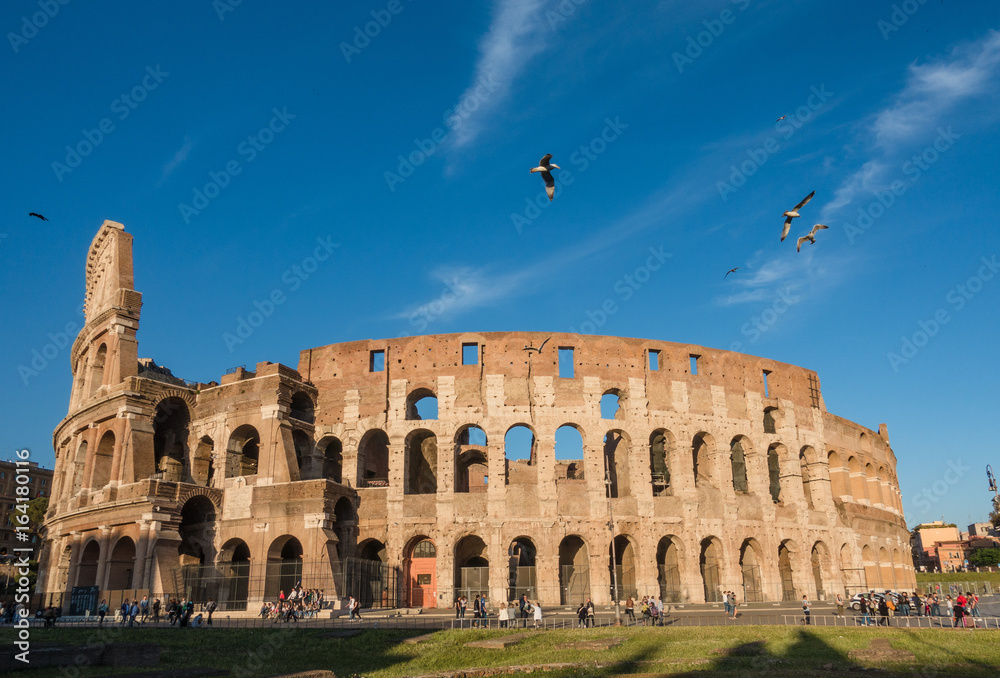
727, 479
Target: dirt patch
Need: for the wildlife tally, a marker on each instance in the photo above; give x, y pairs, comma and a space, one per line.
595, 644
881, 651
418, 639
500, 643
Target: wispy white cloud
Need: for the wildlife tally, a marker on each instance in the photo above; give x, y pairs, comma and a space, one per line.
932, 90
179, 157
799, 274
515, 36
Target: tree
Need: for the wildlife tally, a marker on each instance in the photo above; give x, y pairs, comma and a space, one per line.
36, 516
985, 557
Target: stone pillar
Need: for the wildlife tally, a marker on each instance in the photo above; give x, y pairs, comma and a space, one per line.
74, 560
545, 479
141, 575
105, 557
547, 572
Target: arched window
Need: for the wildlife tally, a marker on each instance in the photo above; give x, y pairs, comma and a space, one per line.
739, 464
616, 458
421, 461
97, 370
774, 473
302, 408
421, 404
569, 453
373, 459
659, 467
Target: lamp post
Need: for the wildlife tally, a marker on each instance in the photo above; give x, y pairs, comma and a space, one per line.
993, 487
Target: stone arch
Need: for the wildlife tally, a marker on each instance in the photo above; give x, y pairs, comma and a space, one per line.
521, 577
472, 566
420, 571
617, 450
613, 403
202, 463
623, 559
753, 582
471, 464
840, 480
857, 478
702, 458
420, 462
173, 393
710, 563
96, 377
774, 471
786, 557
284, 565
80, 468
819, 560
197, 531
373, 459
421, 400
887, 577
234, 563
303, 446
171, 421
873, 575
807, 458
569, 452
103, 461
87, 568
332, 451
121, 565
373, 549
669, 556
770, 420
243, 452
574, 570
520, 452
661, 444
302, 407
739, 447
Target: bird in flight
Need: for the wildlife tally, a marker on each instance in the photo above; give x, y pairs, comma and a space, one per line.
811, 236
792, 213
781, 118
732, 270
37, 216
539, 349
545, 167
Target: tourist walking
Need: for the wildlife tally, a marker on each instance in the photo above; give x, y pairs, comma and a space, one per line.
630, 609
102, 610
840, 605
210, 608
591, 613
581, 615
537, 614
725, 602
959, 608
732, 606
524, 605
866, 610
805, 609
143, 609
502, 615
883, 611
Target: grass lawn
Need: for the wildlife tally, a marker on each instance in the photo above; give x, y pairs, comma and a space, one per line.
758, 650
993, 577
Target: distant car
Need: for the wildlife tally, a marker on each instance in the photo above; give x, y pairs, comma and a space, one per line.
877, 597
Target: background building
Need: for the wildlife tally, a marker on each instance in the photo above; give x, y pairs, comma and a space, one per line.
410, 471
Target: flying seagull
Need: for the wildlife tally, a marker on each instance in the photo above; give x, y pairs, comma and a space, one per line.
792, 213
811, 236
545, 167
38, 216
781, 118
539, 349
732, 270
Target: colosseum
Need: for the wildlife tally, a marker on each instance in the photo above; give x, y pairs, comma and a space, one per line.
411, 471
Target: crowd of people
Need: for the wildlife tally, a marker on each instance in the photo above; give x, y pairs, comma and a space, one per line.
878, 609
508, 615
300, 603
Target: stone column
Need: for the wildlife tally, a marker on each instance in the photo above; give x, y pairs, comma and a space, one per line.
141, 575
74, 560
105, 557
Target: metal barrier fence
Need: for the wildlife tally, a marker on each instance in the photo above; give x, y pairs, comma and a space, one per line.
440, 623
953, 588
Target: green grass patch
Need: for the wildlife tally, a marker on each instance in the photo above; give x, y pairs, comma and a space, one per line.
931, 577
760, 650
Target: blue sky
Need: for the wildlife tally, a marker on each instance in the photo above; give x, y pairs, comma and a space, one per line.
298, 132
